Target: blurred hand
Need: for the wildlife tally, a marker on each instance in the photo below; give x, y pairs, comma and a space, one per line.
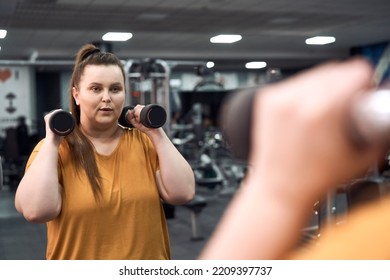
301, 131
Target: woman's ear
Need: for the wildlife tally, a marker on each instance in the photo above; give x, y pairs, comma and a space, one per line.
75, 94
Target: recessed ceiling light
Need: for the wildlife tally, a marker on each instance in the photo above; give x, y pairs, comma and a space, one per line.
210, 64
255, 65
320, 40
225, 38
3, 33
117, 36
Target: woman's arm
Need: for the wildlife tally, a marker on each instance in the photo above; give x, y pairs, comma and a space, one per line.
38, 196
301, 149
175, 179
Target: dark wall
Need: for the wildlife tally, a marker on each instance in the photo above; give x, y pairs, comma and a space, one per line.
48, 91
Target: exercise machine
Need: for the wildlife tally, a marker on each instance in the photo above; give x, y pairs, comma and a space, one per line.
147, 81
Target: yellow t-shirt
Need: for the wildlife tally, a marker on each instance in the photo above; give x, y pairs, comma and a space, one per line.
364, 235
130, 222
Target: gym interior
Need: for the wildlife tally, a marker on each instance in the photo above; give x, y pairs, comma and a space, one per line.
171, 61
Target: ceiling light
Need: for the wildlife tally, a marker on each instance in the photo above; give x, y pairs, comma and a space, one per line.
3, 33
225, 38
320, 40
117, 36
255, 65
210, 64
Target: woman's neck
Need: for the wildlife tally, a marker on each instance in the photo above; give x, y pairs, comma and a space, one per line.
101, 135
104, 142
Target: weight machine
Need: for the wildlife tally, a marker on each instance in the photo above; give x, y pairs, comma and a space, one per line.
147, 81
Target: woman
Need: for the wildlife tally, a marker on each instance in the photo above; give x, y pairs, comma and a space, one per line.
100, 188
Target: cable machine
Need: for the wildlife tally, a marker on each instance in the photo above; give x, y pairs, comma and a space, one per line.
147, 81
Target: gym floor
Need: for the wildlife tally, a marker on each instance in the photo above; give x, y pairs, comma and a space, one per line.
21, 240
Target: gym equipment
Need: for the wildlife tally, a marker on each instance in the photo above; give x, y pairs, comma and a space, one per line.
62, 123
147, 81
13, 164
152, 116
205, 149
345, 198
207, 173
1, 173
362, 191
196, 206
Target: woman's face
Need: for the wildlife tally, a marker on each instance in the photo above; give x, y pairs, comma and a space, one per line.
100, 95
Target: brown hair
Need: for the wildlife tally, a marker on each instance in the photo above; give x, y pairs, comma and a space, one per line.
80, 146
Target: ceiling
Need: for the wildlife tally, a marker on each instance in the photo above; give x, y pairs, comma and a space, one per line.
179, 30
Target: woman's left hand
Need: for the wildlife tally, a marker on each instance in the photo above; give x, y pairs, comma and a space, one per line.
134, 117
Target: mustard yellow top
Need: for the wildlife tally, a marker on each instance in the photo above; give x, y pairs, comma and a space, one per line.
364, 235
130, 222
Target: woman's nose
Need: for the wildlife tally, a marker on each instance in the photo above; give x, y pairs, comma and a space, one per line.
106, 96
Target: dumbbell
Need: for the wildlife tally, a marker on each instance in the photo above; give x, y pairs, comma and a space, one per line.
236, 127
152, 116
368, 120
62, 123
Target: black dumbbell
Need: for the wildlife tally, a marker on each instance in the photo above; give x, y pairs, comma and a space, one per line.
368, 120
62, 123
152, 116
236, 121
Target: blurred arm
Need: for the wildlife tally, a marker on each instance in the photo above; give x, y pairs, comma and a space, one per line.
301, 148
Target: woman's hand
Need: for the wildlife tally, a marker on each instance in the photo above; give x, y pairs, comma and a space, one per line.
50, 135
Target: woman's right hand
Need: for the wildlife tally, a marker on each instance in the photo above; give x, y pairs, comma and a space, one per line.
50, 135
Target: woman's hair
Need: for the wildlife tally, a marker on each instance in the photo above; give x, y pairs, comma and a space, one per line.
83, 155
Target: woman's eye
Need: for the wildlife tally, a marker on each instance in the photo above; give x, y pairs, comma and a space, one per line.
116, 89
95, 89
